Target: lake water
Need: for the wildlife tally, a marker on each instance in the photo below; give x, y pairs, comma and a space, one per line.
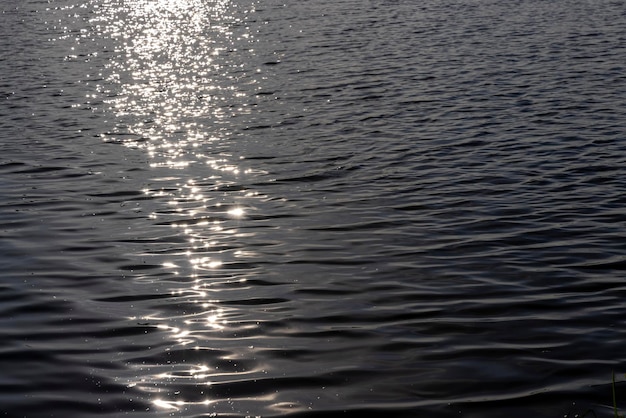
313, 208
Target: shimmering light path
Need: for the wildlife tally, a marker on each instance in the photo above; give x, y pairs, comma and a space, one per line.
173, 94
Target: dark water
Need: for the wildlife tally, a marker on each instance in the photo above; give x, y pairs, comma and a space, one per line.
312, 208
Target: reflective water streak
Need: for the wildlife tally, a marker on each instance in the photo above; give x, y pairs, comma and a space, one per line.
174, 95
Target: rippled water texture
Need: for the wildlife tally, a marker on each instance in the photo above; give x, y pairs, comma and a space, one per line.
312, 208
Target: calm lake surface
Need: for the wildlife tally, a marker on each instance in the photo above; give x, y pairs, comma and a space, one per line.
315, 208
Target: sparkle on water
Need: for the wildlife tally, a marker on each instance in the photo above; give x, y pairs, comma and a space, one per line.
167, 84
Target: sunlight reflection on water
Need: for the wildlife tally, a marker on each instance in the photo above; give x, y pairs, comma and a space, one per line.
172, 97
410, 207
314, 204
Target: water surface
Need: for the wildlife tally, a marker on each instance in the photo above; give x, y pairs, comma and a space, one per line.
325, 208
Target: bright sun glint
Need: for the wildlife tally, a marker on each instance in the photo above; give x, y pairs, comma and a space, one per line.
236, 212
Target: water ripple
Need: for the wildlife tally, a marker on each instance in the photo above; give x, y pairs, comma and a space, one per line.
328, 208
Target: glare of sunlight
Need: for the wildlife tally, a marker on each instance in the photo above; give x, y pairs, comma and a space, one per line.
164, 404
175, 405
205, 262
172, 88
214, 264
237, 212
214, 321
